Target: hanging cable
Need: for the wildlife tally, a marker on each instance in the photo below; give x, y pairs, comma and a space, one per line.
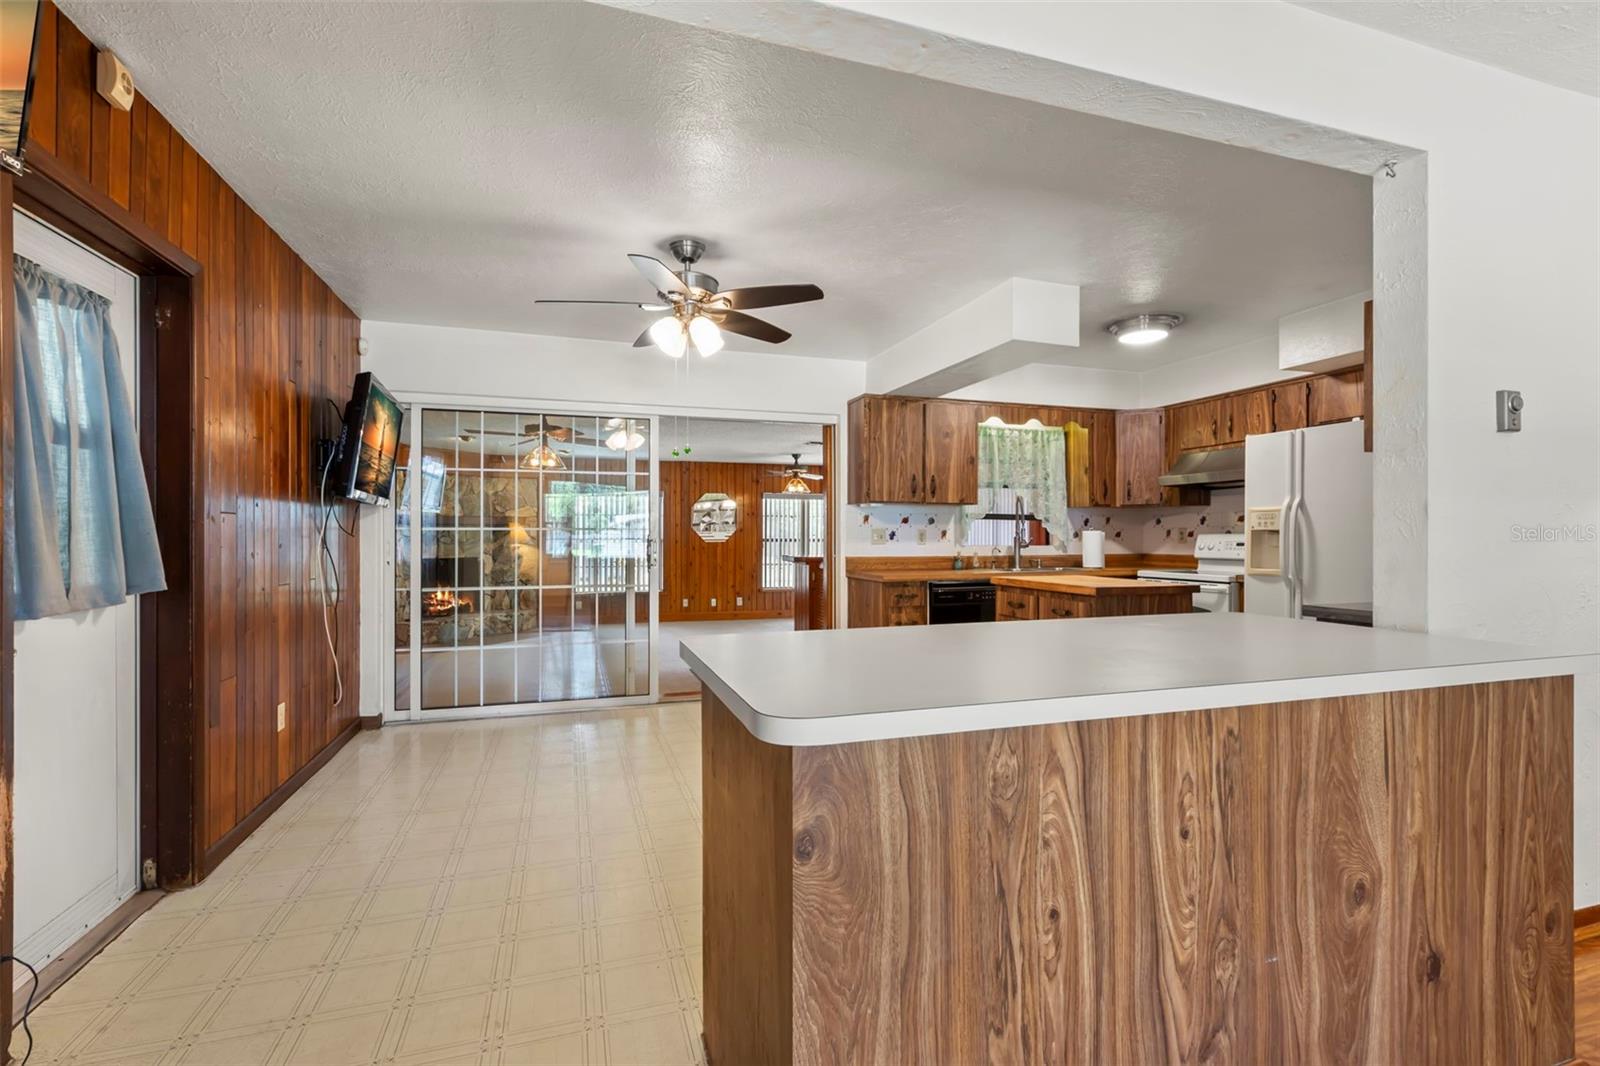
33, 990
328, 571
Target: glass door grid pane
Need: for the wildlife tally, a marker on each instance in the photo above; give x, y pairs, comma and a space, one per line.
532, 550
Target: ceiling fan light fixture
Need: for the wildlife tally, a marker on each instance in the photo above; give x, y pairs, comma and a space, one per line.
668, 334
544, 457
1141, 330
625, 440
796, 483
706, 336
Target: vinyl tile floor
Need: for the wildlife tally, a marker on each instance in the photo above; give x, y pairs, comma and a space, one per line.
516, 891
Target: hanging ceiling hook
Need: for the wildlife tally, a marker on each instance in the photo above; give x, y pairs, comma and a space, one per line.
1388, 167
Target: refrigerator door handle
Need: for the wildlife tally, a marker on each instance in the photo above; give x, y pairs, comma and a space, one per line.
1296, 588
1291, 531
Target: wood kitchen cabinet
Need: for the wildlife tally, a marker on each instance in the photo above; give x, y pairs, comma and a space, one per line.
949, 452
1290, 403
1231, 418
909, 450
1141, 456
1102, 458
887, 603
1195, 425
1257, 406
1336, 397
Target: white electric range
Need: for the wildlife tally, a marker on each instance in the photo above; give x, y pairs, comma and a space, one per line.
1218, 577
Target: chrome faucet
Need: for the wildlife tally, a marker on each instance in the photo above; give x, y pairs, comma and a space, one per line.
1018, 535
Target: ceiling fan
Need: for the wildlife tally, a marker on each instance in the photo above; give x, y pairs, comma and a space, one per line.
698, 312
542, 457
797, 476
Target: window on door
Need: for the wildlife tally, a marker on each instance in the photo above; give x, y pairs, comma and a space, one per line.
792, 523
522, 560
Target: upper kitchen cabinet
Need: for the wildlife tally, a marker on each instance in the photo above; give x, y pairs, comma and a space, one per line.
909, 450
1141, 457
1336, 397
949, 452
1290, 404
1196, 425
1257, 406
1102, 459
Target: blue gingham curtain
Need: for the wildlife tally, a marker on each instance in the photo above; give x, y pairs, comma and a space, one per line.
81, 534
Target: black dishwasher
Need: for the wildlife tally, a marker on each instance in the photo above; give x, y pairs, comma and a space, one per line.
960, 601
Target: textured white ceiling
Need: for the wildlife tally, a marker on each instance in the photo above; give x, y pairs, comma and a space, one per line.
449, 163
1558, 44
723, 440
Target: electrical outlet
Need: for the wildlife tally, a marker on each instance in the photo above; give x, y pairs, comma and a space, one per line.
738, 601
880, 535
713, 601
283, 716
922, 536
686, 601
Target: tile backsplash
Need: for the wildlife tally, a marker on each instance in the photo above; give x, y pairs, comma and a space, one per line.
886, 529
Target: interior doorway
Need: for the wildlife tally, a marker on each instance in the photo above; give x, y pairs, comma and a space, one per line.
740, 501
76, 783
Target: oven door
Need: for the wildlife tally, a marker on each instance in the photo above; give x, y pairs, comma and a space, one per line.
1218, 597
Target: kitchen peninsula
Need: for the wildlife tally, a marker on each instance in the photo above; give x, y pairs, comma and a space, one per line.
1137, 839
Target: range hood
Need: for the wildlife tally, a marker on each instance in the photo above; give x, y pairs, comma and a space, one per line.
1217, 468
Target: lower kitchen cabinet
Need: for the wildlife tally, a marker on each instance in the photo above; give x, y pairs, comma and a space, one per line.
1022, 605
1015, 605
887, 603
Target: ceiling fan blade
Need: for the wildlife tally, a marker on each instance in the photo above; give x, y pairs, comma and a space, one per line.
644, 340
658, 274
810, 477
767, 296
749, 326
610, 303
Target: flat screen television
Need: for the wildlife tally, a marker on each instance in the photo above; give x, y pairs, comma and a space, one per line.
370, 443
19, 40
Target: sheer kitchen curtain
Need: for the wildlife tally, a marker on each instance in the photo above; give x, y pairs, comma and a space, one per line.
1028, 460
82, 533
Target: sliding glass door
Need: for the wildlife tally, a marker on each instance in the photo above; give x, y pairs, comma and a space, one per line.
524, 552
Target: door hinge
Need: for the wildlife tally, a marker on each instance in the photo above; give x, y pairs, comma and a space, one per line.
147, 875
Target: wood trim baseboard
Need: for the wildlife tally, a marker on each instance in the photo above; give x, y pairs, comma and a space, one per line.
1586, 923
77, 956
371, 721
213, 856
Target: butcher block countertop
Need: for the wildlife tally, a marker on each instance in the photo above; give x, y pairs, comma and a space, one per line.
1095, 584
979, 574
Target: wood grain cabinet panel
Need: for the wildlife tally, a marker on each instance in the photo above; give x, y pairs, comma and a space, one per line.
1373, 879
1231, 416
950, 452
1141, 456
887, 442
1015, 605
1059, 605
1197, 424
1103, 459
1257, 406
1290, 405
1336, 397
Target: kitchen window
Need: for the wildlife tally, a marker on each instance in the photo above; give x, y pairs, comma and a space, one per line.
792, 523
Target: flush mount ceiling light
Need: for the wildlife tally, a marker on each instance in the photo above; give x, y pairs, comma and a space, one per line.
1144, 329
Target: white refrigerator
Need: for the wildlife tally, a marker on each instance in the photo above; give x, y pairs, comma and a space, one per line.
1308, 519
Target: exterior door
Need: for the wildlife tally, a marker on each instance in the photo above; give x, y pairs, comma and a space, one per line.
525, 551
77, 710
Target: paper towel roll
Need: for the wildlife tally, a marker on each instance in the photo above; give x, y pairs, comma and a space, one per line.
1094, 548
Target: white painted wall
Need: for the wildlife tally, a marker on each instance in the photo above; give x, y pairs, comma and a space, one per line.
1325, 337
1502, 215
1050, 385
1240, 367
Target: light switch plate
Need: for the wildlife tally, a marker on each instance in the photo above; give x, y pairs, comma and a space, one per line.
880, 535
1508, 411
283, 716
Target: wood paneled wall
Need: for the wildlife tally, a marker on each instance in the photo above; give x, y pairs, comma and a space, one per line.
273, 345
700, 572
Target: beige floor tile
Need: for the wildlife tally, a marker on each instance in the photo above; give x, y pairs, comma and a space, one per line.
384, 938
318, 912
362, 985
148, 1019
636, 985
458, 968
232, 923
473, 924
193, 967
288, 953
251, 1049
549, 912
545, 1003
567, 1049
547, 953
346, 1041
657, 1040
445, 1022
430, 890
259, 1002
54, 1029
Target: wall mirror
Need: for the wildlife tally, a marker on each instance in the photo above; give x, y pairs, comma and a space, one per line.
714, 517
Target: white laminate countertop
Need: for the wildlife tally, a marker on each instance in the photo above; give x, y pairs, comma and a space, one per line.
839, 686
